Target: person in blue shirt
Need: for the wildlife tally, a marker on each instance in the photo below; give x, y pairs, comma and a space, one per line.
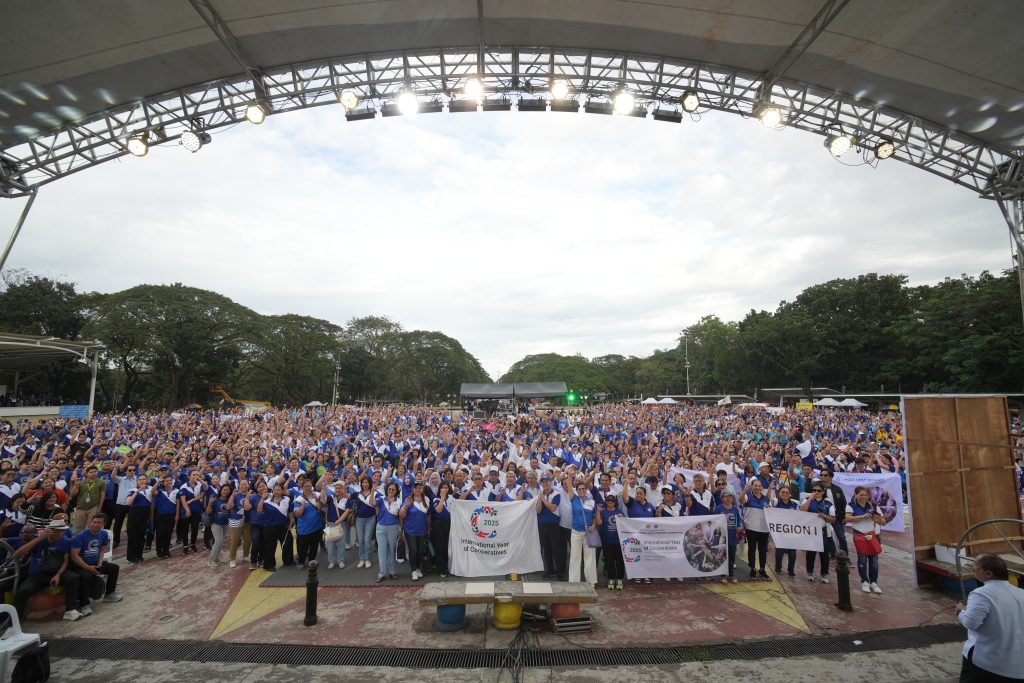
309, 523
47, 566
366, 520
337, 522
552, 545
140, 512
256, 523
388, 506
217, 510
415, 516
611, 550
87, 550
784, 501
754, 500
585, 519
821, 506
276, 510
734, 524
190, 511
165, 507
440, 526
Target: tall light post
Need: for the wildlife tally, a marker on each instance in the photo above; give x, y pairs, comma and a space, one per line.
334, 394
686, 349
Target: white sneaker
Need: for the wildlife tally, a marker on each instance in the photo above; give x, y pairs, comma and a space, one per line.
824, 579
415, 575
875, 588
72, 615
865, 586
330, 565
348, 546
611, 584
113, 597
810, 577
400, 561
85, 610
232, 564
341, 565
212, 564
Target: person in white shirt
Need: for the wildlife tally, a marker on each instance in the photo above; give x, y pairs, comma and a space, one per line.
994, 619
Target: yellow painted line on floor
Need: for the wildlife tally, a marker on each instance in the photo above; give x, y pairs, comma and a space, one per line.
767, 597
253, 602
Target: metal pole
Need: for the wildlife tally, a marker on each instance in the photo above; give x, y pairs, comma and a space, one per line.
17, 228
311, 585
686, 347
1013, 212
843, 581
92, 386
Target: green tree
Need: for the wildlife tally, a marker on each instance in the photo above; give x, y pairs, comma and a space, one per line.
577, 372
293, 359
711, 345
31, 304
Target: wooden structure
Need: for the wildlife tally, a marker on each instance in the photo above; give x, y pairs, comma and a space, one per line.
960, 471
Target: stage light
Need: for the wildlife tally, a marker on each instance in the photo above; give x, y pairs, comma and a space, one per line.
407, 103
255, 113
690, 101
560, 89
138, 145
348, 99
838, 144
769, 115
571, 398
885, 149
193, 140
473, 89
624, 101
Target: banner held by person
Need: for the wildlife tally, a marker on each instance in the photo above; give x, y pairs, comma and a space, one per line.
674, 547
795, 529
494, 539
886, 492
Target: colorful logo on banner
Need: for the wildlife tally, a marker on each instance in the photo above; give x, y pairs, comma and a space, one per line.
631, 549
484, 522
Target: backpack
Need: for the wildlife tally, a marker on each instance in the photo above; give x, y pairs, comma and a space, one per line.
33, 665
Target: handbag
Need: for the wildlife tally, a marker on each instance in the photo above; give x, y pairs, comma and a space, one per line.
332, 533
867, 544
593, 539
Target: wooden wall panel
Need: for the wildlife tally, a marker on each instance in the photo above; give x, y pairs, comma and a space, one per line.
960, 470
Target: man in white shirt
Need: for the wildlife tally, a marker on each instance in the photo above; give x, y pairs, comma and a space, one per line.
994, 619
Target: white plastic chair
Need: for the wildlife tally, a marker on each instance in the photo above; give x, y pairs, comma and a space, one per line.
13, 641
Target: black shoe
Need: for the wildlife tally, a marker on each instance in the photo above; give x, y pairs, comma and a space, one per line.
764, 575
193, 548
792, 574
753, 575
778, 569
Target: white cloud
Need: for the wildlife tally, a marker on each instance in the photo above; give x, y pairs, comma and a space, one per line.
514, 233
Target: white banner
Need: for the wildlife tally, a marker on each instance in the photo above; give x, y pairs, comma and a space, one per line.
494, 539
886, 491
674, 547
795, 529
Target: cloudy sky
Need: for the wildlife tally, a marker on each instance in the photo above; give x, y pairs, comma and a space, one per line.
514, 233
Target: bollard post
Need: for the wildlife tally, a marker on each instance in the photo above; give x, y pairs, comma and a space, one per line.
312, 582
843, 581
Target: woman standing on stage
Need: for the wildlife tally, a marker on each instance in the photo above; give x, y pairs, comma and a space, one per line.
276, 509
440, 526
388, 506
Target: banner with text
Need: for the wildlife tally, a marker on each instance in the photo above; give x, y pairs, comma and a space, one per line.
795, 529
494, 539
885, 490
674, 547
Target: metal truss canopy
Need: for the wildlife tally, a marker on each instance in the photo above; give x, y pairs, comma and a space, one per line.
510, 75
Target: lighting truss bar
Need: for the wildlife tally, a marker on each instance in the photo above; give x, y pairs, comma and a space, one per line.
508, 74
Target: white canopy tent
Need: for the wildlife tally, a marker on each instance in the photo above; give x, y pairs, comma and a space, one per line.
313, 404
668, 401
851, 403
827, 402
650, 401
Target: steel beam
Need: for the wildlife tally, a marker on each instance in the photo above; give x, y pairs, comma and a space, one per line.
509, 74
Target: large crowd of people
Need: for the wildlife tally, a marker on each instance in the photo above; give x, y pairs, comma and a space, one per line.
285, 485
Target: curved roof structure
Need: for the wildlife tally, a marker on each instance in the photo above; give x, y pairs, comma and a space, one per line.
941, 78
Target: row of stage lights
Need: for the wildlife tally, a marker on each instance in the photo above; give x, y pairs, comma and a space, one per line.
838, 143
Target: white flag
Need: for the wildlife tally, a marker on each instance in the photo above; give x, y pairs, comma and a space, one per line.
725, 401
494, 539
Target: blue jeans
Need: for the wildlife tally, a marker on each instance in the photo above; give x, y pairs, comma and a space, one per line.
336, 551
387, 546
364, 532
867, 567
